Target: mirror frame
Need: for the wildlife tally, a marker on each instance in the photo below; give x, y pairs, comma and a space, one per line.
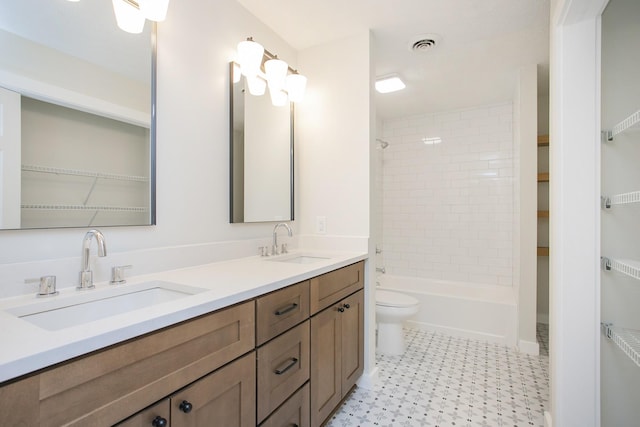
232, 159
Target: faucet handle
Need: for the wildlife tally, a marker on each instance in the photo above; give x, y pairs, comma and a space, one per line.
285, 249
47, 286
117, 274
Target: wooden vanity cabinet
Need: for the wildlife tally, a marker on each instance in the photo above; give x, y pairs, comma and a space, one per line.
282, 359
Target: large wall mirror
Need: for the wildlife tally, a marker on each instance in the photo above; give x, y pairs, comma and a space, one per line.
261, 156
77, 134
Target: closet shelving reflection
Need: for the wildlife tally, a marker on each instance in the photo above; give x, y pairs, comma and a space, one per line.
628, 340
75, 172
85, 208
88, 174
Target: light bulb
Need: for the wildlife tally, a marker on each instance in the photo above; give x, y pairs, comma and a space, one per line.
276, 71
278, 97
128, 17
296, 85
250, 57
257, 85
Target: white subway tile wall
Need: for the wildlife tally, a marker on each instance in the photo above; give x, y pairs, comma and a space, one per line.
448, 208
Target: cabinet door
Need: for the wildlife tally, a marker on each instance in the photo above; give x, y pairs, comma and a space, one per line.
326, 367
352, 340
225, 398
154, 416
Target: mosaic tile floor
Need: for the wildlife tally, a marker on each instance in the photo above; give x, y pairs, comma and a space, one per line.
447, 381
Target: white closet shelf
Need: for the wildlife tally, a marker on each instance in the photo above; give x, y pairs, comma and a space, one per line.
627, 339
628, 123
625, 266
76, 172
620, 199
85, 208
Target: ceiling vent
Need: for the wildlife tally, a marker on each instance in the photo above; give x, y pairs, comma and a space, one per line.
424, 42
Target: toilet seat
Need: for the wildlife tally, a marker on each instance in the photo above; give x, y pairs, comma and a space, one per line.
394, 299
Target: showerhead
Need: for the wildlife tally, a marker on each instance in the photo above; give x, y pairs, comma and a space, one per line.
383, 144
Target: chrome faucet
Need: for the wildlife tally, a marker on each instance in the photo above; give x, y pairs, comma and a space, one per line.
86, 275
275, 249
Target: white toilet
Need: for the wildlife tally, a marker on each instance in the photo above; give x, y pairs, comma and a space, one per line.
392, 309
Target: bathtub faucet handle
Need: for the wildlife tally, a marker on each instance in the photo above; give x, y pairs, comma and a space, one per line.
381, 270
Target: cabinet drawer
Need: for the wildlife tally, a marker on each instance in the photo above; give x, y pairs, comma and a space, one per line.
110, 385
147, 417
294, 412
330, 288
281, 310
283, 366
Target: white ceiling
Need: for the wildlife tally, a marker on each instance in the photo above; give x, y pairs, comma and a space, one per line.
86, 30
484, 43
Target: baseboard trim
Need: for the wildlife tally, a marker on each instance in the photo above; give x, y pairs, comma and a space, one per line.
369, 379
547, 419
529, 347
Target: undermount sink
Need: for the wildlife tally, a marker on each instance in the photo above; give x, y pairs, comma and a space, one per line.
299, 259
56, 314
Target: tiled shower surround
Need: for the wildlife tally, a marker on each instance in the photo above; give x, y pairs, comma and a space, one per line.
448, 208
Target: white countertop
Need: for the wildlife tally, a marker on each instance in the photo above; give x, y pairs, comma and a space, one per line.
27, 348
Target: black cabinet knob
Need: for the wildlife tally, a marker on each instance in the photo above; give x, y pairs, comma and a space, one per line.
347, 306
159, 422
185, 407
341, 309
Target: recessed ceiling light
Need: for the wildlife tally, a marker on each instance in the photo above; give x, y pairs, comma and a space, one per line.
432, 140
389, 84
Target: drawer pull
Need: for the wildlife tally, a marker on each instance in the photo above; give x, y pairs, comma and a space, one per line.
185, 407
347, 306
159, 422
341, 309
290, 365
284, 310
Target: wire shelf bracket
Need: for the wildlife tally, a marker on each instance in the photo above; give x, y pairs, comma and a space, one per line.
626, 266
607, 202
628, 340
628, 123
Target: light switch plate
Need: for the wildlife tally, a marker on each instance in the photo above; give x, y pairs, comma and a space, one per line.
321, 224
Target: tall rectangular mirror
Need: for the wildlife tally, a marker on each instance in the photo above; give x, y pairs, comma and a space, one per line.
76, 99
261, 156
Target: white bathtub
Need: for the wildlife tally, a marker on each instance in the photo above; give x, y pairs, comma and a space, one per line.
469, 310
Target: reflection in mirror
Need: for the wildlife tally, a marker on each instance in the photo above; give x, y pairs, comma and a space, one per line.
261, 157
76, 96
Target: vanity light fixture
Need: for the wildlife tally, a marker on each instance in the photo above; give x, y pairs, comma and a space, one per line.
261, 68
390, 83
131, 15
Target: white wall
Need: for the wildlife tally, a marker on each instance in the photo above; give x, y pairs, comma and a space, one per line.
448, 209
334, 137
335, 127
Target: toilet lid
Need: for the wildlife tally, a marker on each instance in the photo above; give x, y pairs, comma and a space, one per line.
394, 299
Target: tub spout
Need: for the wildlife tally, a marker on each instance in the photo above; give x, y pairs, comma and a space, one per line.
381, 270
